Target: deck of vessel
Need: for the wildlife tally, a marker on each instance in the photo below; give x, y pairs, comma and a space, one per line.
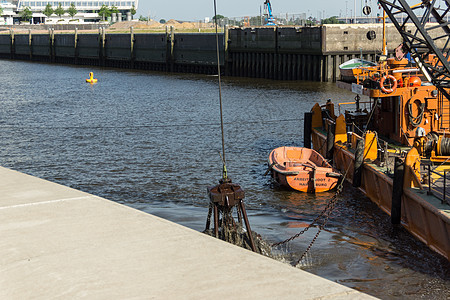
424, 216
58, 242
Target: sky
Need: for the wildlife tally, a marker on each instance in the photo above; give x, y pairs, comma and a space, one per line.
195, 10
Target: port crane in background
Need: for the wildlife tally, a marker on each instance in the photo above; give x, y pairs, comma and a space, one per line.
270, 20
425, 40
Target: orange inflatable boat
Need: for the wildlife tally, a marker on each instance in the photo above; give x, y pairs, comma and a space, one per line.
302, 169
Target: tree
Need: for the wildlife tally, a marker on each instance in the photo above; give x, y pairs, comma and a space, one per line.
48, 11
311, 21
114, 10
219, 17
1, 11
142, 18
72, 11
133, 11
26, 13
104, 12
60, 11
332, 20
219, 20
162, 21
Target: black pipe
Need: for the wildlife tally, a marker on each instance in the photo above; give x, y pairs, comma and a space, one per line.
307, 130
397, 191
330, 141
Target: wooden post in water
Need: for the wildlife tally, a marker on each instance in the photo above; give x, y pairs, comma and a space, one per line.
397, 191
103, 61
76, 46
226, 59
172, 43
99, 39
132, 57
101, 46
359, 159
12, 43
307, 130
51, 33
30, 44
275, 55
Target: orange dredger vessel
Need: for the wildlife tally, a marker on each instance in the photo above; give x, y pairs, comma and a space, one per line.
409, 125
302, 169
398, 150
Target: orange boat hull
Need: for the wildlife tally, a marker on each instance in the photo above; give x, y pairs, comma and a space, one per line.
302, 169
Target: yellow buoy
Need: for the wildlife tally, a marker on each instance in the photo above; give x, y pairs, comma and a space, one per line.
91, 78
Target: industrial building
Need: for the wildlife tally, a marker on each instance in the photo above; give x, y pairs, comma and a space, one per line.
87, 11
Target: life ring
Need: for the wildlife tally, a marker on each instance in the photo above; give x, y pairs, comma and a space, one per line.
394, 85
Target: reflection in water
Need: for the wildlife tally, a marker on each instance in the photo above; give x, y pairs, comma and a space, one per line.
152, 141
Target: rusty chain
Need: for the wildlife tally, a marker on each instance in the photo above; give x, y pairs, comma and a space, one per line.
321, 226
325, 212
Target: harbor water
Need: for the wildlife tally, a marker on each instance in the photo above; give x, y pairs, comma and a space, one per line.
152, 141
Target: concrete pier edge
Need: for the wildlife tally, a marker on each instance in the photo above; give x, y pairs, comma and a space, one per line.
58, 242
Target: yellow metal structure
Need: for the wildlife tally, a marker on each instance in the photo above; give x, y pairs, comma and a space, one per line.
412, 172
316, 116
370, 145
340, 134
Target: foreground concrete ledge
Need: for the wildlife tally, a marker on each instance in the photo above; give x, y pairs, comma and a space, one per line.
57, 242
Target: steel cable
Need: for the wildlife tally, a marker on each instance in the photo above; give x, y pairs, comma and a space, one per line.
146, 126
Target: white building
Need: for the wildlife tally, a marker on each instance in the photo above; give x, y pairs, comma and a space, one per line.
9, 12
87, 11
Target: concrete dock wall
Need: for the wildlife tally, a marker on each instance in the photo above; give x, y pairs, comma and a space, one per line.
281, 53
195, 53
88, 47
5, 46
41, 46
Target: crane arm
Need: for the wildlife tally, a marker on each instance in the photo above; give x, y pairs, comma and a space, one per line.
270, 19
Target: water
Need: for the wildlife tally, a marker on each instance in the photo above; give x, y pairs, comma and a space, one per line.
152, 141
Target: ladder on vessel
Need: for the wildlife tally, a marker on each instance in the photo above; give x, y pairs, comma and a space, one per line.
426, 39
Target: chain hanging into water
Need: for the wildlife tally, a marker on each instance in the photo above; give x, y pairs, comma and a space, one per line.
220, 92
323, 213
327, 213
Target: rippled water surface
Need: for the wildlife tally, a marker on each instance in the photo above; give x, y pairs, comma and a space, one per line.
152, 141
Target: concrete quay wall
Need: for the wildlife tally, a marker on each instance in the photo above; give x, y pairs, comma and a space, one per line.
281, 53
58, 242
183, 52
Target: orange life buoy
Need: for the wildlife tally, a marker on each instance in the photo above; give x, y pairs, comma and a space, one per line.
392, 88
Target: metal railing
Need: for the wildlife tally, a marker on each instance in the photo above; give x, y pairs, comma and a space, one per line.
354, 102
437, 185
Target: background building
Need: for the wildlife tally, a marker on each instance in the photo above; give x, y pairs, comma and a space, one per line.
87, 11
